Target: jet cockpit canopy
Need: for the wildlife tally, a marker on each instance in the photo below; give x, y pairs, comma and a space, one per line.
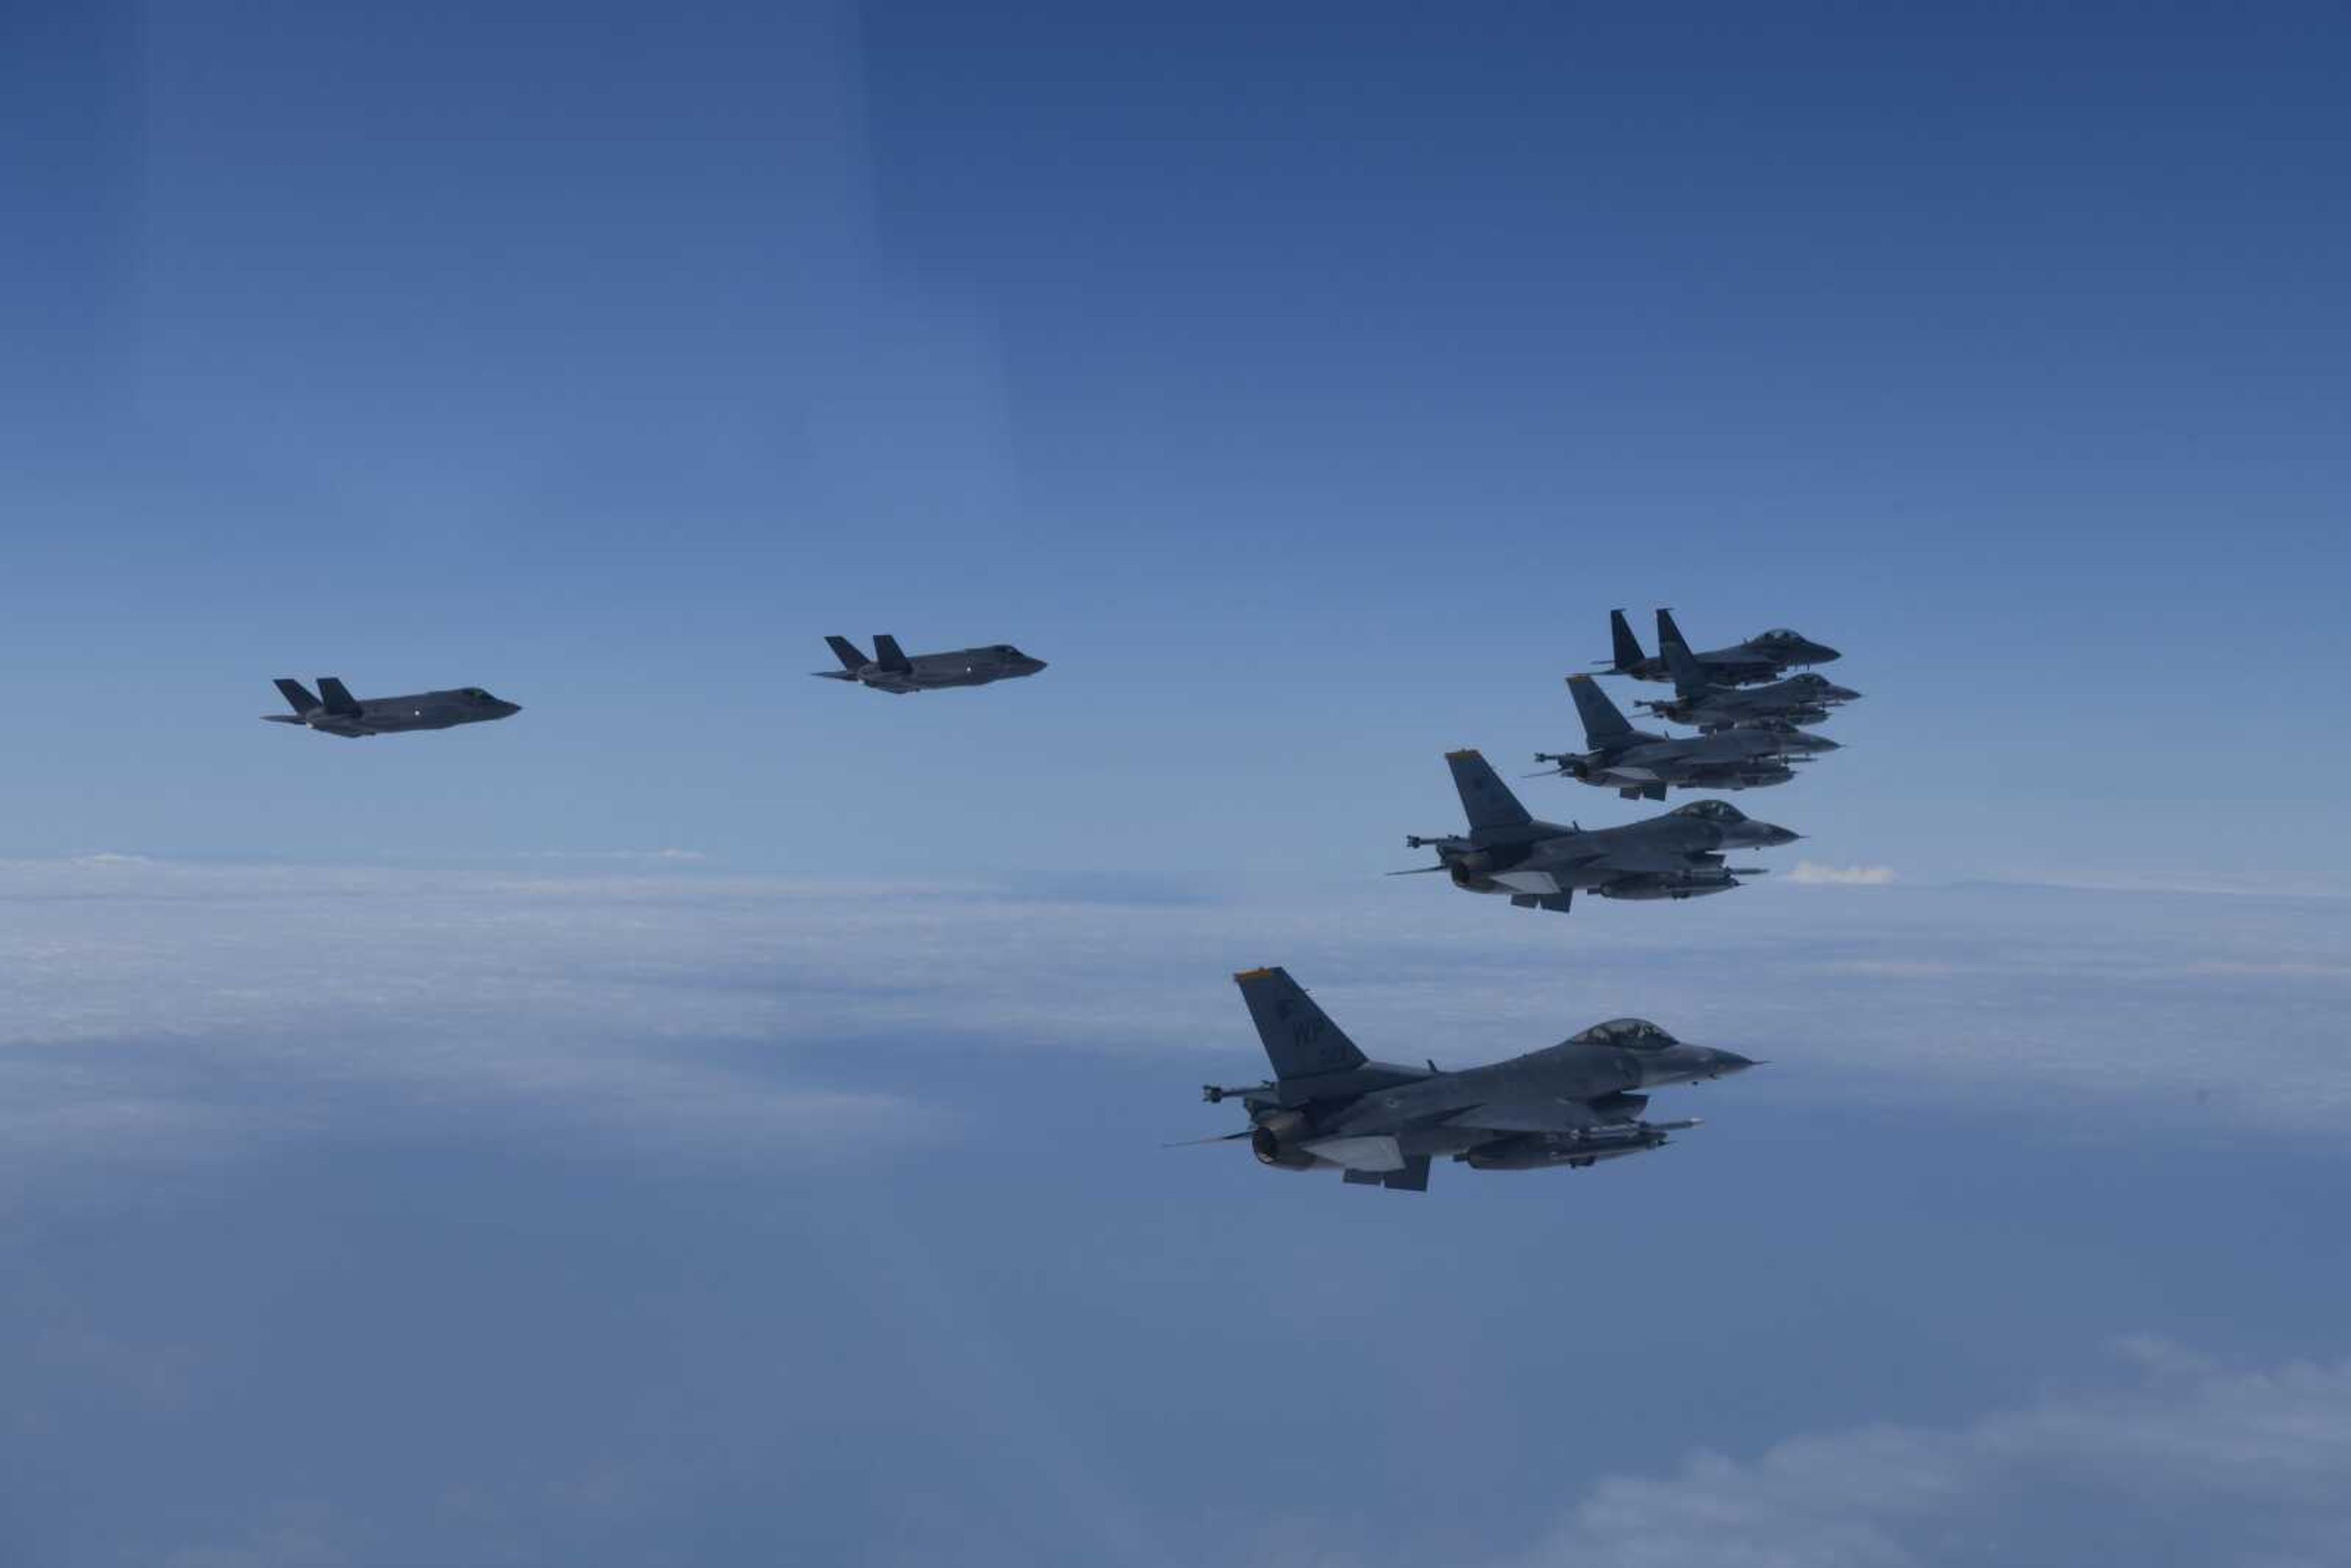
1712, 812
1625, 1034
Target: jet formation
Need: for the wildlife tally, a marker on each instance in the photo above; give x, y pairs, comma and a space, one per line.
890, 670
334, 711
1381, 1125
1585, 1099
1544, 865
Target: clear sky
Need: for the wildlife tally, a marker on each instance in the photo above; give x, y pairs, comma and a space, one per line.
461, 1141
1305, 385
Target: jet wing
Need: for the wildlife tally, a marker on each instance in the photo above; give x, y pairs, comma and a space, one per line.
1527, 1116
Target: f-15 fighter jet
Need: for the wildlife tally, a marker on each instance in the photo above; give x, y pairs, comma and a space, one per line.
890, 670
1573, 1104
1640, 763
1765, 656
336, 712
1542, 865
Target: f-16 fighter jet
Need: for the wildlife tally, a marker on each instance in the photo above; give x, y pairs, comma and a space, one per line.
890, 670
1641, 765
1765, 656
1799, 699
1542, 865
1573, 1104
335, 711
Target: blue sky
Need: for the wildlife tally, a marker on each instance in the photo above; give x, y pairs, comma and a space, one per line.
665, 1111
1306, 389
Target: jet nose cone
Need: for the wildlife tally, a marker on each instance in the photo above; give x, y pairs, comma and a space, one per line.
1729, 1061
1778, 836
510, 709
1842, 694
1824, 654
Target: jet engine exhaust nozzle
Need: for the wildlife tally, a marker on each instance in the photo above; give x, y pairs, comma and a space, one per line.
1271, 1150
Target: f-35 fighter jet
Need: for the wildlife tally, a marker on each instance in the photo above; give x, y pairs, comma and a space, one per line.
1642, 764
336, 712
1765, 656
890, 670
1573, 1104
1542, 865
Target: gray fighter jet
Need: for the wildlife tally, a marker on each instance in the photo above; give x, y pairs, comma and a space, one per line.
336, 712
1573, 1104
1766, 656
1542, 865
1640, 763
890, 670
1799, 699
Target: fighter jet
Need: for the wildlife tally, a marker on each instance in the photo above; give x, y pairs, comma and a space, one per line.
1799, 699
336, 712
1765, 656
1542, 865
890, 670
1573, 1104
1641, 765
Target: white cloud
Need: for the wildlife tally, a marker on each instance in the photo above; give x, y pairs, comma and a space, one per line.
2185, 1462
1814, 873
144, 1005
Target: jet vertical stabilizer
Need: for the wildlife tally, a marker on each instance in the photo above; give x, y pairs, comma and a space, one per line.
1629, 657
1603, 723
1485, 800
1300, 1039
338, 697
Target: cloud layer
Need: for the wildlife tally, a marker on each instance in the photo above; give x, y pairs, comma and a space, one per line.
140, 1002
459, 1117
2188, 1463
1815, 874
